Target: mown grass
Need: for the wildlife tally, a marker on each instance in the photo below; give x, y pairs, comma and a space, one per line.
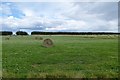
70, 57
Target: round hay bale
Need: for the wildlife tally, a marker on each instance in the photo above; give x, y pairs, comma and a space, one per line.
47, 43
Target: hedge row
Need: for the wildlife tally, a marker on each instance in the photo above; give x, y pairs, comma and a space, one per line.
56, 33
72, 33
6, 33
11, 33
21, 33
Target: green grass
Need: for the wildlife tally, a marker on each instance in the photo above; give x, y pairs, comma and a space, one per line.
0, 56
71, 57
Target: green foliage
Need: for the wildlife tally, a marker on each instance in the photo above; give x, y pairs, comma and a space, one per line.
21, 33
6, 33
71, 56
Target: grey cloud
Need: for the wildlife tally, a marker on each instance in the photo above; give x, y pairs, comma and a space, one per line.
8, 28
102, 10
109, 9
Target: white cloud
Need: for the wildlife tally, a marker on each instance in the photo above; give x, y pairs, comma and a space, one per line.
59, 0
65, 16
28, 12
59, 25
11, 22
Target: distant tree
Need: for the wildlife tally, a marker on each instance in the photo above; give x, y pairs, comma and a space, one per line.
71, 33
21, 33
6, 33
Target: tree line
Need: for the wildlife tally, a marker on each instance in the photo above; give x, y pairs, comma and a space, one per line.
11, 33
56, 33
71, 33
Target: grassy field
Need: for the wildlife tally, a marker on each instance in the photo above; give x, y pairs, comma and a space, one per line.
70, 57
0, 56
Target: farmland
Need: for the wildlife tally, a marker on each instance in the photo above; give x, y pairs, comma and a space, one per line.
0, 56
81, 56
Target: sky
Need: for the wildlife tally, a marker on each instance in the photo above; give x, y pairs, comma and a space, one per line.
59, 16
